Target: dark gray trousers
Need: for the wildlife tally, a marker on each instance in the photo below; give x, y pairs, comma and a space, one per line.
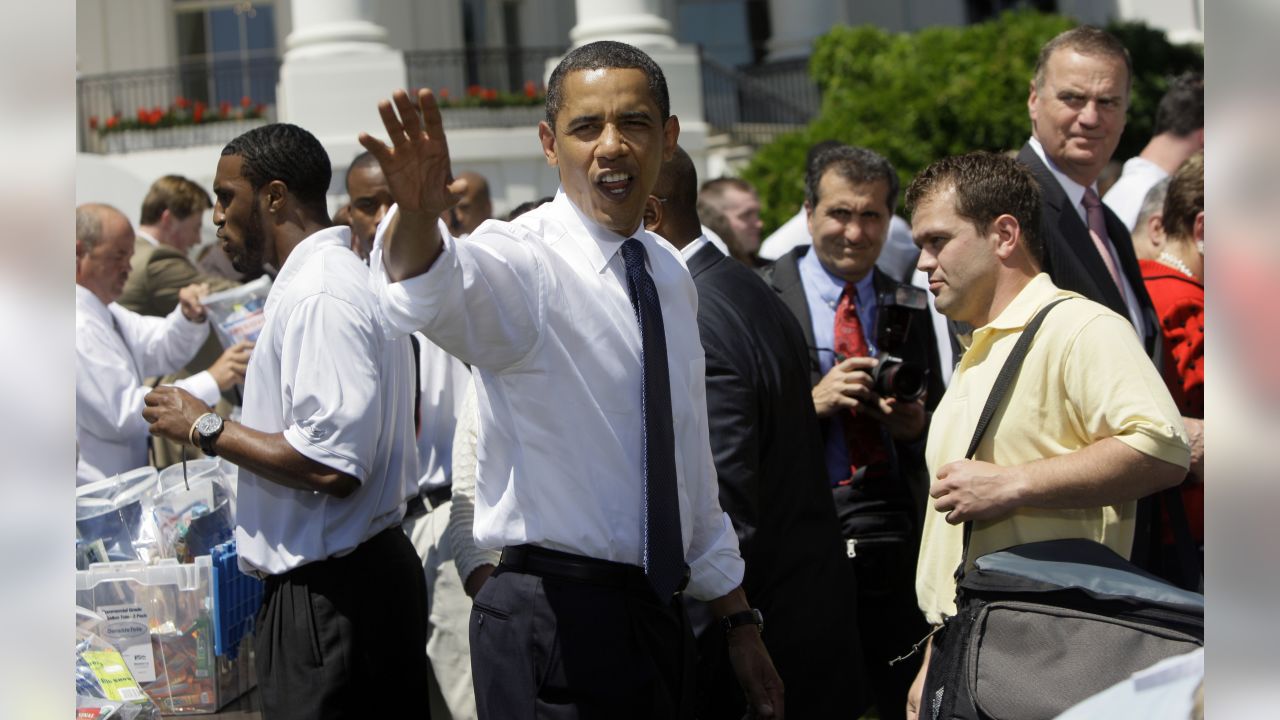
547, 648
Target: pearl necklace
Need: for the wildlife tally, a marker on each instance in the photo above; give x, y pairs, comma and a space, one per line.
1169, 260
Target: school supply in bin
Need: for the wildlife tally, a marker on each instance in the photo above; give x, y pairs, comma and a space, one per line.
1041, 626
114, 520
236, 599
105, 688
193, 516
161, 619
237, 312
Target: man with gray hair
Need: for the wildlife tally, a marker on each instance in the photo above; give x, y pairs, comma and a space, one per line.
1149, 229
117, 348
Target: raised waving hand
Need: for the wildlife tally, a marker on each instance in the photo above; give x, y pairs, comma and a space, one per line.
416, 166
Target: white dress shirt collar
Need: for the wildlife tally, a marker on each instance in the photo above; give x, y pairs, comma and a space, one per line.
146, 236
1073, 189
688, 251
607, 243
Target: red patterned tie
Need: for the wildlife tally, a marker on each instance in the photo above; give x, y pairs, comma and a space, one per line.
861, 433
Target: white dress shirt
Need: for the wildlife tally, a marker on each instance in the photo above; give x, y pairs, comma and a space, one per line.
442, 380
1126, 196
116, 349
539, 308
324, 374
1075, 193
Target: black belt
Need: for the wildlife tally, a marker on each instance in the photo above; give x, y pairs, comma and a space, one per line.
423, 503
534, 560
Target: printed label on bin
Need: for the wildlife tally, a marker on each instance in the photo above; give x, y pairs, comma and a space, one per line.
128, 628
109, 668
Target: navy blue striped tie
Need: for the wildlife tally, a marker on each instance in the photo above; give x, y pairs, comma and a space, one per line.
663, 550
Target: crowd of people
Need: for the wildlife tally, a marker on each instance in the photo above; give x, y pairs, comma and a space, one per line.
617, 455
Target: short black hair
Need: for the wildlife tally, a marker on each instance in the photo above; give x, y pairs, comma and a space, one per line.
1181, 110
284, 152
606, 54
364, 159
987, 185
856, 164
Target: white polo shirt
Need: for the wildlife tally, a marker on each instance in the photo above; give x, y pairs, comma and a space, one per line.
325, 375
539, 308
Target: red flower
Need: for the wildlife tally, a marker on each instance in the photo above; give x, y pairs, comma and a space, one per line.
224, 108
156, 116
246, 101
260, 109
93, 122
443, 93
113, 121
530, 90
473, 91
197, 115
490, 94
182, 102
142, 115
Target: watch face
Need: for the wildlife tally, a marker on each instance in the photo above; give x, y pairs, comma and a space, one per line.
208, 424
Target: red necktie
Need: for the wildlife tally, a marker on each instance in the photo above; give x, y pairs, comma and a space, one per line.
861, 433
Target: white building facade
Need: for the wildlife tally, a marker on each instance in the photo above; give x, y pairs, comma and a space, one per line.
735, 69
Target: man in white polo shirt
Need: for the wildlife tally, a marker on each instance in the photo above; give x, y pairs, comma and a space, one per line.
325, 448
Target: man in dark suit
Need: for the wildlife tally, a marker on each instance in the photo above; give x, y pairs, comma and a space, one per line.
873, 444
768, 456
1077, 104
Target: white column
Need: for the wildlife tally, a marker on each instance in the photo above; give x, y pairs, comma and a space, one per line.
795, 24
635, 22
336, 68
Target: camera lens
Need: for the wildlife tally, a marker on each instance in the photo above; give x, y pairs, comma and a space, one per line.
899, 379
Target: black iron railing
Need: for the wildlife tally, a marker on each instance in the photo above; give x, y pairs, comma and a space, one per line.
234, 84
503, 69
758, 102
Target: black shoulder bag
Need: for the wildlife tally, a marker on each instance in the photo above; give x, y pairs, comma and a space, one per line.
1041, 626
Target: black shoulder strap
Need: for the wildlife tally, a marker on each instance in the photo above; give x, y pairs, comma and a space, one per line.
1001, 388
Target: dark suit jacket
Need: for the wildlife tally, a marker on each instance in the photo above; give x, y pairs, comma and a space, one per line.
856, 516
768, 456
1072, 260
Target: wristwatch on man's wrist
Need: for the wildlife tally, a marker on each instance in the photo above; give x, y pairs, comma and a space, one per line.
746, 617
207, 429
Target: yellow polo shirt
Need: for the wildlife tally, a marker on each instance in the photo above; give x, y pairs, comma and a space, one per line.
1085, 378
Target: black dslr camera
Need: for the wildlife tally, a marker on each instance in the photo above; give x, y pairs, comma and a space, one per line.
895, 377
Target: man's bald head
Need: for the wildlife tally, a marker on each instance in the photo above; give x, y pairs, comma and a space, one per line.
475, 206
672, 210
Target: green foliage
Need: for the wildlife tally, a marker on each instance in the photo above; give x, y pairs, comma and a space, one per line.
917, 97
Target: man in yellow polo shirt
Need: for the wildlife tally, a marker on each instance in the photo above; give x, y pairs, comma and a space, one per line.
1087, 428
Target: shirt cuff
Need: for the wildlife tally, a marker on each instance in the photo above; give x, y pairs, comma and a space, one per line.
203, 386
299, 441
719, 570
412, 304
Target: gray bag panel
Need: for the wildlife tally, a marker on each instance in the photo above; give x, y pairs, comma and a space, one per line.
1092, 578
1026, 662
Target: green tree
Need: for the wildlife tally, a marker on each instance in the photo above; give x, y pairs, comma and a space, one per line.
917, 97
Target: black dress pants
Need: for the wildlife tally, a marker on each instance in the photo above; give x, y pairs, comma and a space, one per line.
346, 637
553, 648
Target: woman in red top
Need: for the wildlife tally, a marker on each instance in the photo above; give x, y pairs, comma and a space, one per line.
1173, 271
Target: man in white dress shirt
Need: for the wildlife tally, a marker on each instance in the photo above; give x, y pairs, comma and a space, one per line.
116, 348
599, 492
325, 448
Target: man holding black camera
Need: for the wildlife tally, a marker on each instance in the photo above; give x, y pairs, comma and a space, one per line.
875, 375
